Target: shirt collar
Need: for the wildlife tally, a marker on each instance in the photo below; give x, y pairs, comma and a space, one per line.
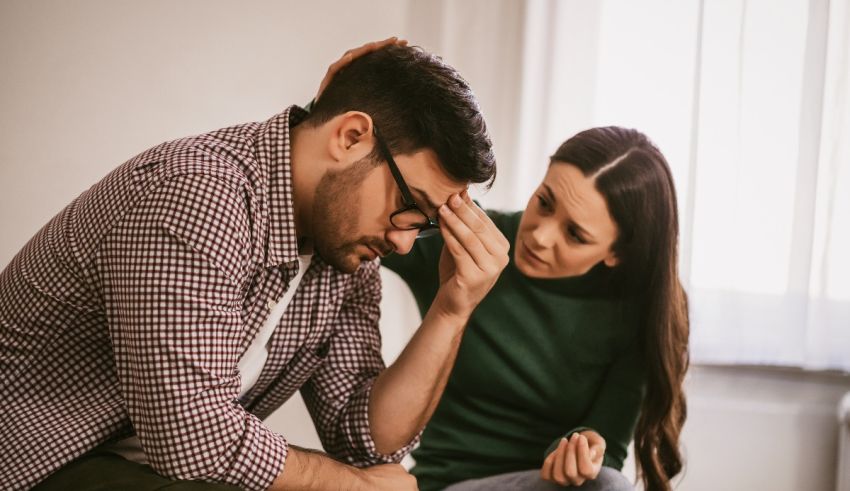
274, 152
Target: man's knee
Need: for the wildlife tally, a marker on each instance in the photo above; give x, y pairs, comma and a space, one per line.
103, 470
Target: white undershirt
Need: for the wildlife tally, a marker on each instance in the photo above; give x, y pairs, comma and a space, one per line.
250, 365
252, 361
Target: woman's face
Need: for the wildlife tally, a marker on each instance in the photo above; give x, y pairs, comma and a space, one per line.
566, 228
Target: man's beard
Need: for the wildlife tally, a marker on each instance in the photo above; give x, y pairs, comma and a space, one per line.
336, 214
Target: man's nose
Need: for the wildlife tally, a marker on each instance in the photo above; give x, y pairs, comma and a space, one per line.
402, 240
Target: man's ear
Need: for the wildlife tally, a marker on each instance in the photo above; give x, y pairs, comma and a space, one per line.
351, 137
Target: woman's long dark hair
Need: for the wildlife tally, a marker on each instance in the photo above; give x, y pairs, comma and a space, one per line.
633, 176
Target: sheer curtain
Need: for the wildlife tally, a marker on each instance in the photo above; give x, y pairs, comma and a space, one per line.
748, 99
769, 216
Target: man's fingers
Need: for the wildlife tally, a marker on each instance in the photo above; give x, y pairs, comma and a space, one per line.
467, 214
492, 238
462, 259
472, 245
500, 243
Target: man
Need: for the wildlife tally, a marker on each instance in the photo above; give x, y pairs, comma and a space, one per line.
179, 301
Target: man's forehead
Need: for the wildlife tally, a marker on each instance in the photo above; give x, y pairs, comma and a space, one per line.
434, 199
429, 180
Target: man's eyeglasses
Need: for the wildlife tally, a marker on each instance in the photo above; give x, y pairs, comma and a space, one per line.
409, 216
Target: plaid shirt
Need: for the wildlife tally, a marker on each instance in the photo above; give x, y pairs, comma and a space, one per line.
128, 312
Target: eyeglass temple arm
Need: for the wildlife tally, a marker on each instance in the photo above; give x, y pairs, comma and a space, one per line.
405, 191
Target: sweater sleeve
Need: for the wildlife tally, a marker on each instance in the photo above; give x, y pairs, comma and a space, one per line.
615, 410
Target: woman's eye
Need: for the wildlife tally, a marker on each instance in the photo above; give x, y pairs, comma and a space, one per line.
542, 202
575, 236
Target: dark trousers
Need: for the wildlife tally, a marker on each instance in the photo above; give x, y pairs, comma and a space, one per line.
105, 471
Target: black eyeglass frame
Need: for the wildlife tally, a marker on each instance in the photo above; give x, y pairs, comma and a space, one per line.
428, 226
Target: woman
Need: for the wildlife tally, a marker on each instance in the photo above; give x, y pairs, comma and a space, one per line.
584, 333
583, 341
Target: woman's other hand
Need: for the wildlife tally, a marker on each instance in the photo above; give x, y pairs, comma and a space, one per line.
575, 460
351, 54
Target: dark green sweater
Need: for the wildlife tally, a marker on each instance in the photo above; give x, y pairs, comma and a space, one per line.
539, 359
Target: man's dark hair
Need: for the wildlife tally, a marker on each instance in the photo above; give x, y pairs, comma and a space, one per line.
417, 102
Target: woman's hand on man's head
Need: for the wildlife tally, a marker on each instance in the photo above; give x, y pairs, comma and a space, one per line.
353, 53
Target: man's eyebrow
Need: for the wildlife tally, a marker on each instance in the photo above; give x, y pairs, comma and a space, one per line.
418, 194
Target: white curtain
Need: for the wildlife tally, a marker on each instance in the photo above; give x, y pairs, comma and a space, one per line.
748, 99
770, 206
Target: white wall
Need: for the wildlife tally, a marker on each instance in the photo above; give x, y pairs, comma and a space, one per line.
756, 428
88, 84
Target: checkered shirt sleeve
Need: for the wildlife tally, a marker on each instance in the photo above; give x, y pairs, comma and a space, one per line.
337, 395
172, 276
